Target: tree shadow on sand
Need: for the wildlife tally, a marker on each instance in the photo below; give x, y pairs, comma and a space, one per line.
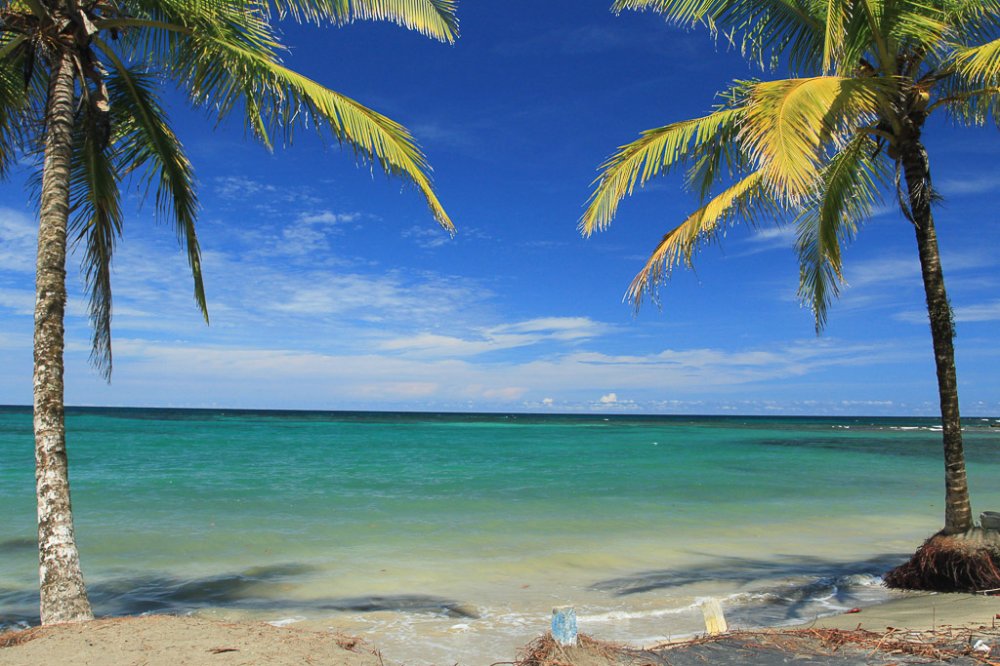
256, 589
785, 589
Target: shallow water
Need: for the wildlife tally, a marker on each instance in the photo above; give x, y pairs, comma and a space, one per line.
445, 537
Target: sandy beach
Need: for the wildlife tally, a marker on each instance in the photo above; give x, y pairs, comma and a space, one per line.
170, 640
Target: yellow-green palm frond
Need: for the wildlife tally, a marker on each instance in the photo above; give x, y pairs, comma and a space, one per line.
15, 105
792, 124
740, 200
276, 98
850, 188
971, 22
145, 145
979, 64
157, 29
917, 25
433, 18
764, 28
837, 15
655, 153
97, 223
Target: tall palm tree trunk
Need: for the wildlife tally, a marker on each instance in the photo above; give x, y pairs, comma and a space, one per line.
63, 595
958, 511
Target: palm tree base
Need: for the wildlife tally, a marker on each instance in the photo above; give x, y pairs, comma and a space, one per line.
967, 562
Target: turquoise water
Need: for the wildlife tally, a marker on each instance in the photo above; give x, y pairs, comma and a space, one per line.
452, 536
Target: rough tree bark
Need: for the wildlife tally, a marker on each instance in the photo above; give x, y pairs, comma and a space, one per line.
916, 166
63, 595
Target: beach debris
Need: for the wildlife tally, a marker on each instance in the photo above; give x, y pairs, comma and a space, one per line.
981, 646
564, 625
831, 647
966, 562
546, 651
853, 610
715, 621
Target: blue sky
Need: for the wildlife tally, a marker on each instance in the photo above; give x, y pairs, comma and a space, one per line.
331, 287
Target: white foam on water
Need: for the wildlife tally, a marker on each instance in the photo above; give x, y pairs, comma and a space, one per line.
619, 615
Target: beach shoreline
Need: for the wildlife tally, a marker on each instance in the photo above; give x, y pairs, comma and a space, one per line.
198, 641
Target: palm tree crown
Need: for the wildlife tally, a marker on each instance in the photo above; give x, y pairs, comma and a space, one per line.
226, 55
79, 85
821, 148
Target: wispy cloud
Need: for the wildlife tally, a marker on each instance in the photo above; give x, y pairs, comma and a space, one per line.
770, 238
963, 314
18, 301
498, 338
247, 376
18, 234
427, 237
978, 184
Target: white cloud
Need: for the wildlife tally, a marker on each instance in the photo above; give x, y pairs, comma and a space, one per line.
257, 376
327, 217
18, 301
963, 314
981, 312
496, 338
241, 188
427, 237
771, 238
980, 184
18, 244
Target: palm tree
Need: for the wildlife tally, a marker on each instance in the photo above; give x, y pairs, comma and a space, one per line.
79, 87
820, 149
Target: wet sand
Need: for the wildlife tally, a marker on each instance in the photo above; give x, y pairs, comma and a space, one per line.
190, 641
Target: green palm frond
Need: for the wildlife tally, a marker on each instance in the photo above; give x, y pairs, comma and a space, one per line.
15, 106
157, 30
838, 14
433, 18
979, 64
740, 200
146, 144
765, 28
655, 153
226, 75
791, 124
97, 223
851, 187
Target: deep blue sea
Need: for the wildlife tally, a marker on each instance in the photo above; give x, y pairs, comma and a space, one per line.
439, 536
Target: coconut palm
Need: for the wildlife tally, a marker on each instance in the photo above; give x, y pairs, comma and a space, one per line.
79, 88
820, 149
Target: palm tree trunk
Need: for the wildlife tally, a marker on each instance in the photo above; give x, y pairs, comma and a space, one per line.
63, 595
958, 511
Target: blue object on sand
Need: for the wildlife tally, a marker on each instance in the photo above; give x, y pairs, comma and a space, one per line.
564, 625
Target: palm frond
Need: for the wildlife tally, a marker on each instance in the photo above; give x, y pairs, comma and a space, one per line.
851, 187
146, 144
838, 13
433, 18
765, 28
224, 75
97, 223
15, 106
791, 124
678, 245
157, 30
656, 152
973, 21
979, 64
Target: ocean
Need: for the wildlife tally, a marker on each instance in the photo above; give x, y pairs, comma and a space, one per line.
445, 538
